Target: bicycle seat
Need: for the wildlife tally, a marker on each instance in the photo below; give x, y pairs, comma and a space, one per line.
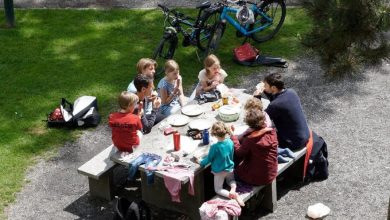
203, 5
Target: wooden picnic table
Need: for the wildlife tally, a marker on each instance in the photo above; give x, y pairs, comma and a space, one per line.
156, 142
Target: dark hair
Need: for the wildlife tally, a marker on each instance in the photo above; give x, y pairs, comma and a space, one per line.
254, 118
142, 81
275, 79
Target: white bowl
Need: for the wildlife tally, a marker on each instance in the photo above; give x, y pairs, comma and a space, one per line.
229, 113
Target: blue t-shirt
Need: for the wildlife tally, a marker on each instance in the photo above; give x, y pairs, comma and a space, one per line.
285, 110
169, 87
220, 156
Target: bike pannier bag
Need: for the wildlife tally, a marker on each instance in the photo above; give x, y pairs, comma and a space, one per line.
245, 52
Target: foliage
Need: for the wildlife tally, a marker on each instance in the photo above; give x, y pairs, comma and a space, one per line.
348, 33
68, 53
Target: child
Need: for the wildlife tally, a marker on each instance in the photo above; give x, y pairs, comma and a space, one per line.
211, 76
145, 66
255, 103
170, 89
221, 158
124, 124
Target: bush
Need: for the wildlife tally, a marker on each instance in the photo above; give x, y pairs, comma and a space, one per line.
348, 33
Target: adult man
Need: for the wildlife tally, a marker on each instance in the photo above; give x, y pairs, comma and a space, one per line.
286, 112
144, 86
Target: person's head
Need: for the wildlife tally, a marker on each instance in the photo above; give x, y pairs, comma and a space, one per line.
146, 66
273, 83
127, 100
253, 103
171, 69
220, 130
255, 119
212, 65
144, 84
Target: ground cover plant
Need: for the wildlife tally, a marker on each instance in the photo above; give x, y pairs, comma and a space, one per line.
68, 53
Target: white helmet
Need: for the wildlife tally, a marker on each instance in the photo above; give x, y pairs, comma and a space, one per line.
245, 15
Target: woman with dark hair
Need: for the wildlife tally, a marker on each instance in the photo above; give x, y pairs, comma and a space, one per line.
255, 151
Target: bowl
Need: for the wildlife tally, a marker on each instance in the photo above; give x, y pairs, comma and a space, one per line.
229, 113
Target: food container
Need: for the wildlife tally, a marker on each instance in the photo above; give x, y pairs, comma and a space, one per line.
229, 113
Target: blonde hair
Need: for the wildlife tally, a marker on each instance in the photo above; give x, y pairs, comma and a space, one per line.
144, 63
220, 129
126, 99
255, 119
209, 61
253, 103
171, 66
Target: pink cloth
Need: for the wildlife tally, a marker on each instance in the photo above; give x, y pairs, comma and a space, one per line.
172, 181
211, 208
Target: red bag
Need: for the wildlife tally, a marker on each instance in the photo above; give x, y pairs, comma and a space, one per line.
245, 52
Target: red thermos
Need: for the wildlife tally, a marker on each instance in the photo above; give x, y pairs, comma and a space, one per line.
176, 141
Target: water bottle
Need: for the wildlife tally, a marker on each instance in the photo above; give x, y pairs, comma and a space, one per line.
206, 137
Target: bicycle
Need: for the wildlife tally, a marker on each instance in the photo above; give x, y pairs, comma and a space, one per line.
196, 32
267, 20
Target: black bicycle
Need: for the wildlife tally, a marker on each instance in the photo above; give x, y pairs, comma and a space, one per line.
196, 32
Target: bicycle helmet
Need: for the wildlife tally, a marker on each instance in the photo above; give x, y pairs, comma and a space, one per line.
245, 15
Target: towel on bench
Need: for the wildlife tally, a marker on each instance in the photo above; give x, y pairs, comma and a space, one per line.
172, 181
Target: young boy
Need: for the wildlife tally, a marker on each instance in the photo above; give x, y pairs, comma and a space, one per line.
125, 124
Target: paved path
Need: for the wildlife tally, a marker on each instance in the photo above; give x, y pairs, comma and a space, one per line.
353, 116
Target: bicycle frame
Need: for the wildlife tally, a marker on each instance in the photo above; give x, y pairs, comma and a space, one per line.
244, 30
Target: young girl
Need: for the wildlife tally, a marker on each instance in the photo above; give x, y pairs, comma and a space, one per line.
211, 76
125, 125
221, 158
170, 89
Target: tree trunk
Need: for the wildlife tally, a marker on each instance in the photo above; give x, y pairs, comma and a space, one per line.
9, 13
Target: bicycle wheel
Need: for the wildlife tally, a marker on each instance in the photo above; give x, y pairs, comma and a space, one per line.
203, 34
215, 39
275, 10
164, 51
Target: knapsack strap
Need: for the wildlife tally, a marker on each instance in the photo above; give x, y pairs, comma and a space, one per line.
309, 147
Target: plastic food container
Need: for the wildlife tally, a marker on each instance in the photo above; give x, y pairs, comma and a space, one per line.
229, 113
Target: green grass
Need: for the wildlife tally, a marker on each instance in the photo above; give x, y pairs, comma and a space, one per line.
68, 53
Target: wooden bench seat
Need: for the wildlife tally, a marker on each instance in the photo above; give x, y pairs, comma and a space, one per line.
270, 197
99, 173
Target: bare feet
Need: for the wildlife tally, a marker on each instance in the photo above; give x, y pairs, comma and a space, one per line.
239, 200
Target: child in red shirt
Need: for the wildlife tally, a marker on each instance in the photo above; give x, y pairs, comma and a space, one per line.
125, 124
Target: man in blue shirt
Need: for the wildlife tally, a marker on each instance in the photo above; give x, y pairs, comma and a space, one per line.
285, 110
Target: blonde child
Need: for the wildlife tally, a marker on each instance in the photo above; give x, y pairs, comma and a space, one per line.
221, 158
211, 76
126, 126
255, 103
170, 89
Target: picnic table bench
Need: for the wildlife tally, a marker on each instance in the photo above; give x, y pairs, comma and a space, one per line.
99, 173
270, 191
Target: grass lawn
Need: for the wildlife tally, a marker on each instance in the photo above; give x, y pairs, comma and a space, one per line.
68, 53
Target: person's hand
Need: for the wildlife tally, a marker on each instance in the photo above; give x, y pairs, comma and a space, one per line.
156, 103
214, 84
153, 96
259, 89
140, 112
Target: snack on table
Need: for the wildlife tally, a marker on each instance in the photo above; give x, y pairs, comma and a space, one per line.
216, 106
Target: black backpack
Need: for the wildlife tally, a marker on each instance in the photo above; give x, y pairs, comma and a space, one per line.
135, 210
83, 113
317, 168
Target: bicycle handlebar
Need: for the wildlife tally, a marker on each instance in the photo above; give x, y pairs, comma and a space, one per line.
177, 14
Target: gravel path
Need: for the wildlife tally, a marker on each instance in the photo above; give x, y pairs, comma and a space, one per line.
353, 116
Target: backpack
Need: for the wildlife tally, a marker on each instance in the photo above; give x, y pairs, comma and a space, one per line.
317, 168
84, 112
134, 210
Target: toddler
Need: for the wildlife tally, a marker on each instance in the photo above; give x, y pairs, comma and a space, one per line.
221, 158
